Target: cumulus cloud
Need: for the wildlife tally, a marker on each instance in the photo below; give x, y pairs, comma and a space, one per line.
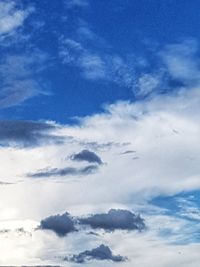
100, 253
60, 224
27, 133
115, 219
86, 155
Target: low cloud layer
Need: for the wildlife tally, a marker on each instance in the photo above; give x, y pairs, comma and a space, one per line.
86, 155
115, 219
100, 253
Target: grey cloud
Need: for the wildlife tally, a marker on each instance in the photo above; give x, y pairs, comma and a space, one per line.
60, 224
86, 155
64, 172
26, 133
100, 253
115, 219
128, 152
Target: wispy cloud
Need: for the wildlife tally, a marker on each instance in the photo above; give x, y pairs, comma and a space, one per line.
19, 74
95, 65
77, 3
68, 171
12, 17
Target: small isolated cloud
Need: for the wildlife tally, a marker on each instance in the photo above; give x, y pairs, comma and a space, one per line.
27, 133
86, 155
100, 253
60, 224
71, 171
11, 17
115, 219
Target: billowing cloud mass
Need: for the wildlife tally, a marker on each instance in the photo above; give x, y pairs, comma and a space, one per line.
100, 253
99, 120
60, 224
115, 219
86, 155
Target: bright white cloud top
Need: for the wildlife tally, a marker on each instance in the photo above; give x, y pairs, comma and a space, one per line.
99, 134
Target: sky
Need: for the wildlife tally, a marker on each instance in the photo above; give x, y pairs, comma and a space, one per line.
99, 133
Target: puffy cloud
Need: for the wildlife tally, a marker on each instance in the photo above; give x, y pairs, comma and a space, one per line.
100, 253
115, 219
60, 224
86, 155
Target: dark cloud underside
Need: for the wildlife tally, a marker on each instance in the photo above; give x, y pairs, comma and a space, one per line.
90, 169
86, 155
100, 253
115, 219
26, 133
60, 224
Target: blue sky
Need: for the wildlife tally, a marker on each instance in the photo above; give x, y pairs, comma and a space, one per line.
99, 132
130, 32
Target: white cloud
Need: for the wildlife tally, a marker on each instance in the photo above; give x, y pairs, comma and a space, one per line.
147, 83
11, 17
96, 65
181, 60
18, 73
164, 131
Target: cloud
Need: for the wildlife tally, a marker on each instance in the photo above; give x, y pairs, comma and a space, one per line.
60, 224
115, 219
27, 133
182, 62
93, 63
100, 253
11, 17
147, 83
86, 155
76, 3
71, 171
19, 74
